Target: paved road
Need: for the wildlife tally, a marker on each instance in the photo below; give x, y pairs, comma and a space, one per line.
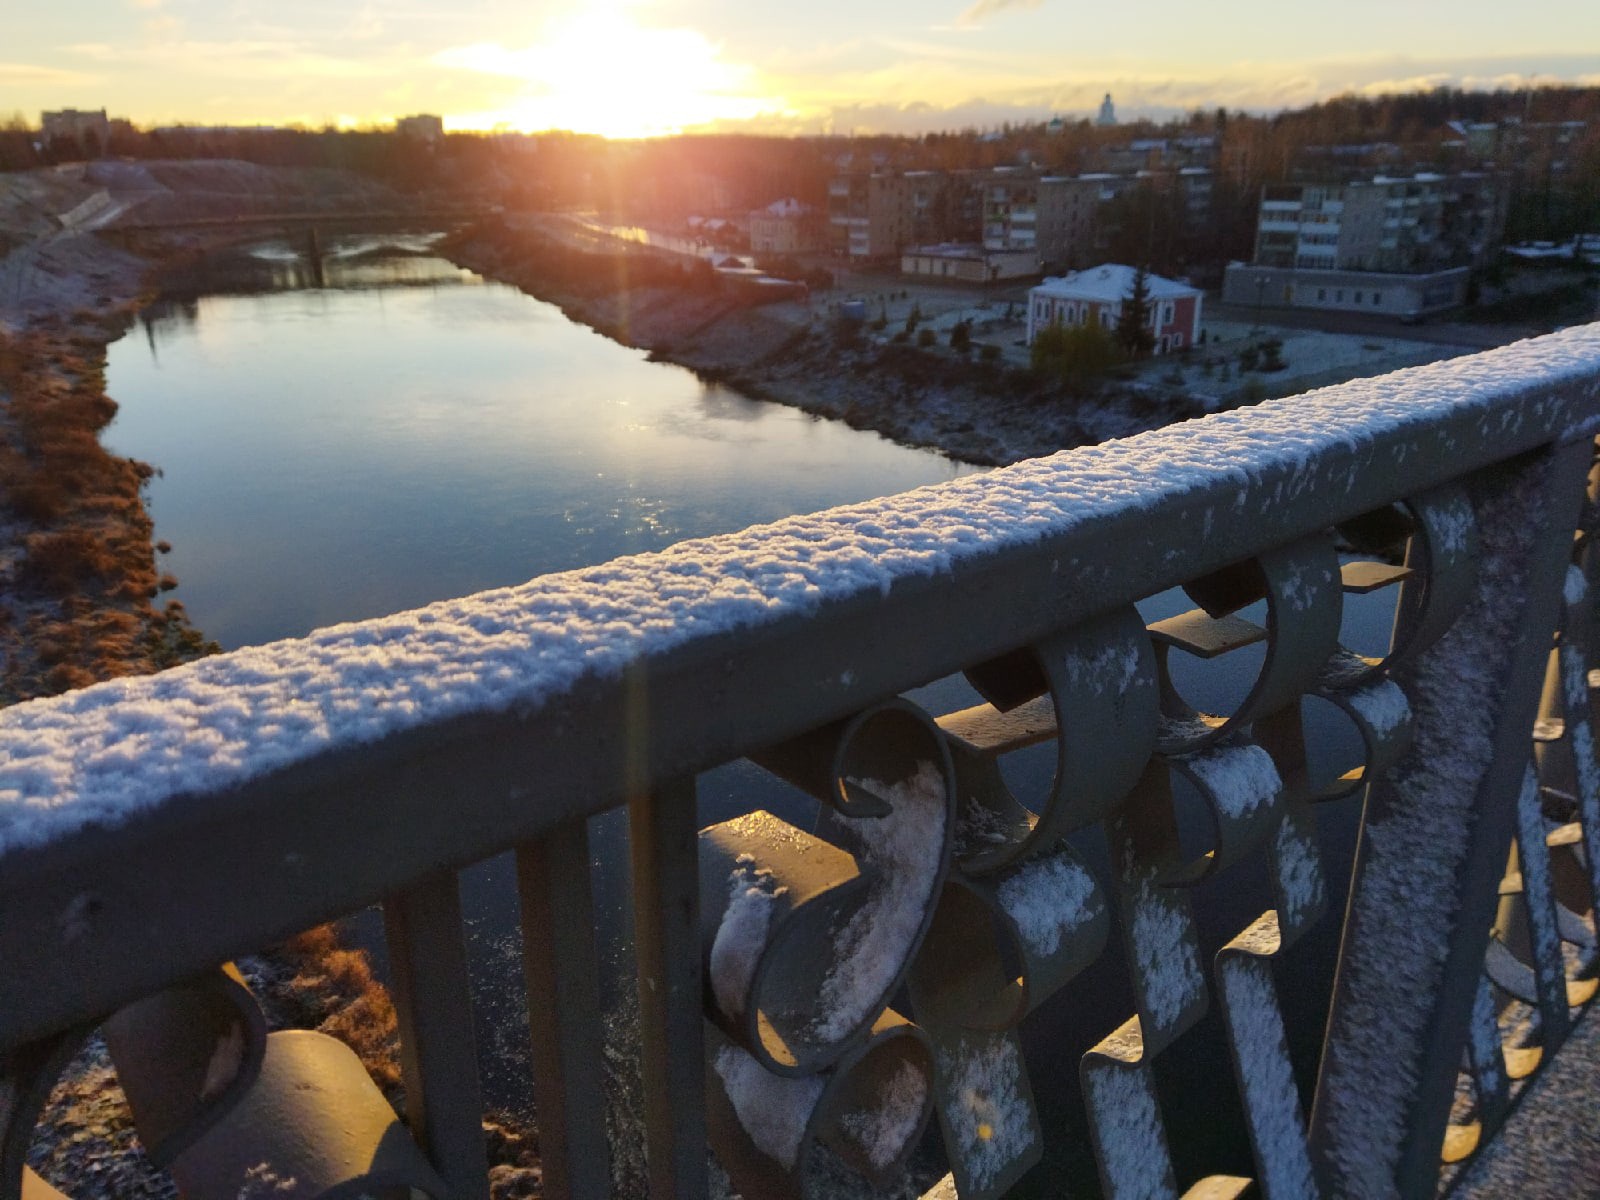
1441, 332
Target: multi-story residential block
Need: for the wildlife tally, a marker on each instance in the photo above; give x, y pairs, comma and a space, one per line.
876, 215
1011, 209
426, 127
1402, 245
869, 214
786, 227
1068, 225
1389, 223
1096, 297
1052, 216
91, 129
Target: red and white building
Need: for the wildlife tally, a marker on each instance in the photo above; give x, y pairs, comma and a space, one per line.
1096, 295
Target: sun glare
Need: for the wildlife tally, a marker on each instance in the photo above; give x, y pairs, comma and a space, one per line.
601, 72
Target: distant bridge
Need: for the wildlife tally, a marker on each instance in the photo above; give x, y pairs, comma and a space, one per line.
339, 217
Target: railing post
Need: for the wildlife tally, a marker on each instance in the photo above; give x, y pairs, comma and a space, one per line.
666, 905
559, 965
438, 1052
1434, 843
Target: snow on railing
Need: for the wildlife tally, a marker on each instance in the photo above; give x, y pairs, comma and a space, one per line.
153, 828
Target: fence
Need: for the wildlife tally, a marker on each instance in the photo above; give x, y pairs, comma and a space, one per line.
811, 998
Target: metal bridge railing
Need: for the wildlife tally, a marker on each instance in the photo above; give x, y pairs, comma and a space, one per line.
811, 998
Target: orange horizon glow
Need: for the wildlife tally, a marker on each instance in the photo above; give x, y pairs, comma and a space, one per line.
601, 72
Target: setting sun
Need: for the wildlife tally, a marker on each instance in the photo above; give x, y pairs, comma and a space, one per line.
601, 72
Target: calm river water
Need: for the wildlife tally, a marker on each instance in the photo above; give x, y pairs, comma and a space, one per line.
337, 453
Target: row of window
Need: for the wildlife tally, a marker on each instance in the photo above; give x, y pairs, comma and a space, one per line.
1356, 296
1076, 312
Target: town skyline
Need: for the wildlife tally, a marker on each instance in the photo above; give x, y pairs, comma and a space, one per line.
632, 68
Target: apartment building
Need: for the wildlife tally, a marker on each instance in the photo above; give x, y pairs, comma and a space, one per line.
873, 216
1393, 244
1423, 222
786, 227
90, 128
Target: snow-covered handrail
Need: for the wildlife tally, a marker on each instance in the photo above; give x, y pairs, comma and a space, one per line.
165, 824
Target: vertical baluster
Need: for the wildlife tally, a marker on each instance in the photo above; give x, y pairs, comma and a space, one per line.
1434, 841
1491, 1077
438, 1052
559, 965
666, 904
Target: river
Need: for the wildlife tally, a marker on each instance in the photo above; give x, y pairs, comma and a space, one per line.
328, 454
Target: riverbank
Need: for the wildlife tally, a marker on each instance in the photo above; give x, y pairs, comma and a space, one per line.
795, 352
81, 590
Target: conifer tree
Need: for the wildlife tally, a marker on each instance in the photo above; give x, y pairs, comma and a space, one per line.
1133, 322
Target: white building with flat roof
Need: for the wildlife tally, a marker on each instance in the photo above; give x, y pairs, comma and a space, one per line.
1096, 296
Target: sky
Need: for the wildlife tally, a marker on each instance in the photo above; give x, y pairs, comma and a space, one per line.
631, 68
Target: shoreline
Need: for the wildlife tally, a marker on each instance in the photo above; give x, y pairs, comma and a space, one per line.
79, 580
792, 352
79, 568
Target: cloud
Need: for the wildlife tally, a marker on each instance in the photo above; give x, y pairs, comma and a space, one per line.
987, 8
30, 75
282, 61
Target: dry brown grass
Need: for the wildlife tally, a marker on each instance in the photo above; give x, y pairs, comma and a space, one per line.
79, 590
337, 993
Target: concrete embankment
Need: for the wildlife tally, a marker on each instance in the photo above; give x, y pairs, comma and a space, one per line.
796, 352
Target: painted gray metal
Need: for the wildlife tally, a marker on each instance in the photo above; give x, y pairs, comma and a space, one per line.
438, 1051
1047, 632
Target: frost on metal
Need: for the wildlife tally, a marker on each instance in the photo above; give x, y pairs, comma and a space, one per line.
987, 1108
1128, 1131
1299, 871
1576, 586
1240, 778
1048, 898
741, 934
1299, 593
1539, 890
870, 949
772, 1109
884, 1131
1483, 1044
1110, 668
96, 756
1277, 1127
1163, 952
1381, 704
1401, 915
1452, 525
